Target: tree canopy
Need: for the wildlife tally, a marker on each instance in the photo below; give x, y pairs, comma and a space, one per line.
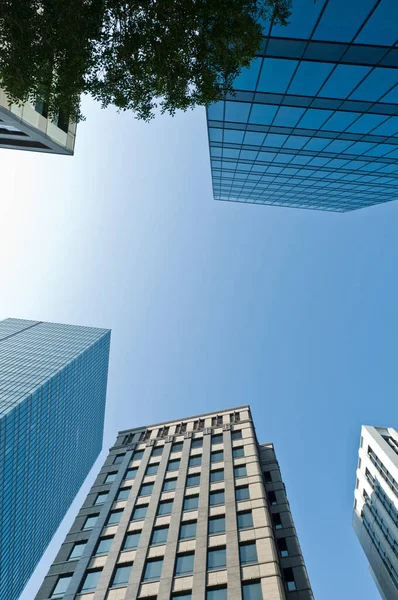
134, 54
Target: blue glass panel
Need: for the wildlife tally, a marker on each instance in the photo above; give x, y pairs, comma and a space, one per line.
360, 147
377, 83
309, 77
233, 136
314, 118
215, 135
237, 111
274, 139
288, 116
247, 79
343, 80
380, 150
295, 141
217, 594
340, 120
391, 97
253, 138
333, 26
252, 591
317, 144
122, 575
338, 146
215, 112
304, 16
381, 29
366, 123
275, 75
262, 114
389, 127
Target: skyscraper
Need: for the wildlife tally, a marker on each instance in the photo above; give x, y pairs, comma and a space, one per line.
314, 121
29, 127
52, 399
375, 518
192, 509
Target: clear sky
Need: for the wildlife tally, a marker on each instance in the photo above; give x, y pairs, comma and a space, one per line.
211, 305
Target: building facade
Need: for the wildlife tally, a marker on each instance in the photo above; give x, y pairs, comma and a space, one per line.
28, 127
314, 120
375, 517
193, 509
53, 382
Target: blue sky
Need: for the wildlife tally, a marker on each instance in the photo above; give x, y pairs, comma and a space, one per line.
211, 305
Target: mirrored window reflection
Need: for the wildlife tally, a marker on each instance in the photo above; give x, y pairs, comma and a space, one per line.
276, 74
309, 78
343, 80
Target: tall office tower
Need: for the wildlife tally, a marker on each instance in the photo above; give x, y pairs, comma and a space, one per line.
28, 127
375, 517
193, 509
52, 399
314, 121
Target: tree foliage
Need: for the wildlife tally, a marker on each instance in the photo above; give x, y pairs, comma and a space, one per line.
133, 54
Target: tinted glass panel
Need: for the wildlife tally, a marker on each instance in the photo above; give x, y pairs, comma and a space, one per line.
236, 435
245, 520
217, 594
159, 535
177, 447
217, 475
188, 531
165, 508
77, 550
101, 497
104, 545
131, 540
61, 586
217, 558
173, 465
248, 553
217, 456
91, 580
193, 480
191, 502
131, 473
238, 452
152, 469
242, 493
240, 471
146, 489
169, 485
157, 451
123, 494
110, 477
252, 591
197, 443
153, 569
217, 439
140, 512
121, 575
90, 522
195, 461
216, 525
184, 564
216, 498
114, 517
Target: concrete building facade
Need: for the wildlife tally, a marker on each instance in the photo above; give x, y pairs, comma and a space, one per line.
53, 382
375, 518
193, 509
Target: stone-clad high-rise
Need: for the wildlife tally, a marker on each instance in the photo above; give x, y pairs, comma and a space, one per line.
192, 509
53, 382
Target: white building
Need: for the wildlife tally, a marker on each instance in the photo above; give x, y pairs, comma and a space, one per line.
375, 518
27, 127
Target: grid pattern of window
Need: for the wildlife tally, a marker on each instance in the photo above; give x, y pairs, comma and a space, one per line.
313, 121
53, 386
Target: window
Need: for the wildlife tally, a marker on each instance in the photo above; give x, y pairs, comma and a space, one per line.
193, 480
184, 563
242, 493
267, 477
248, 553
90, 521
218, 593
236, 435
146, 489
216, 439
216, 559
238, 452
152, 469
147, 435
61, 586
153, 569
118, 459
272, 498
165, 507
217, 456
140, 512
110, 477
121, 575
101, 497
245, 520
289, 578
114, 517
252, 591
240, 471
195, 461
157, 451
191, 502
188, 530
180, 596
197, 443
159, 535
276, 518
131, 540
131, 473
123, 493
282, 547
173, 465
217, 497
77, 550
91, 580
217, 475
138, 455
104, 545
234, 417
177, 447
216, 525
128, 439
169, 485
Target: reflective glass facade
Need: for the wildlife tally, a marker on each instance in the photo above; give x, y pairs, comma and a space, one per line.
52, 400
314, 121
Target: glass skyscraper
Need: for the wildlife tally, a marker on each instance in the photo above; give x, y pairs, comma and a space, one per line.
314, 122
53, 382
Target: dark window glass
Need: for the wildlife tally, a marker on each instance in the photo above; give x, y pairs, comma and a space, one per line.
118, 459
216, 559
138, 455
90, 521
217, 439
152, 469
217, 498
282, 547
238, 452
195, 461
114, 517
77, 550
181, 596
121, 575
184, 564
248, 553
177, 447
272, 498
110, 477
240, 471
157, 451
61, 585
140, 512
216, 525
193, 480
131, 473
123, 493
173, 465
197, 443
165, 507
267, 477
188, 530
146, 489
191, 502
217, 475
169, 485
236, 435
131, 540
242, 493
252, 591
219, 593
289, 578
276, 518
90, 581
159, 535
104, 545
217, 456
245, 520
101, 497
153, 569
